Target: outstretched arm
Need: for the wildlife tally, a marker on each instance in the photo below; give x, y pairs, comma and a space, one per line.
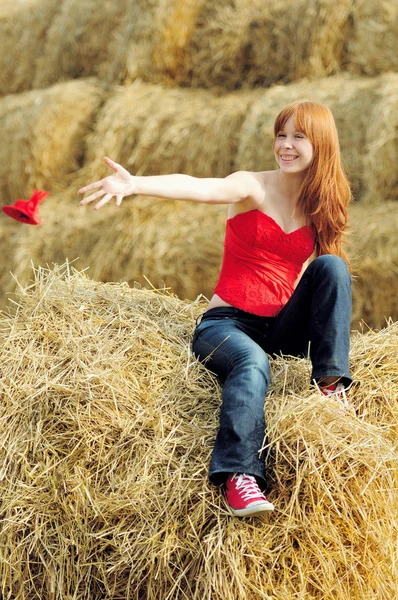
229, 190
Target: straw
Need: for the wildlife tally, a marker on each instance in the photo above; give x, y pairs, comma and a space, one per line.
371, 45
23, 25
43, 133
107, 427
375, 259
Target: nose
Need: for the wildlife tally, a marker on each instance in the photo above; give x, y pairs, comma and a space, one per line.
287, 143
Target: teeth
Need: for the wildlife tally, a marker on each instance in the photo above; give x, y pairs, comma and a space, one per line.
288, 157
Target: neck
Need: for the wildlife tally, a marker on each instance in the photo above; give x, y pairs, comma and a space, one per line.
290, 185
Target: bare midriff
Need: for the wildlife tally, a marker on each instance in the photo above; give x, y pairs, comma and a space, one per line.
217, 301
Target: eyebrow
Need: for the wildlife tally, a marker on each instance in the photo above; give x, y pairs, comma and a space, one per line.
295, 131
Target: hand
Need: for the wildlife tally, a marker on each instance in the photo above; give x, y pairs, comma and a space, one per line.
119, 184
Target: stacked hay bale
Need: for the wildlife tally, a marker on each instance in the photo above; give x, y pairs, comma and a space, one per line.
108, 423
375, 258
23, 26
86, 40
43, 134
371, 45
196, 43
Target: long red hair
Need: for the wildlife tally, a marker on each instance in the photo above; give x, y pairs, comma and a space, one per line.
325, 191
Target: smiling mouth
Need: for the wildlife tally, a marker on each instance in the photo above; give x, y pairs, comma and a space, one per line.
288, 157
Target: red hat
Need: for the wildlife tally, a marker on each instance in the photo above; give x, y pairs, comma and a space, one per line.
27, 211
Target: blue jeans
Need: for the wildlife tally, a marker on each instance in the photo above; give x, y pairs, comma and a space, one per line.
235, 345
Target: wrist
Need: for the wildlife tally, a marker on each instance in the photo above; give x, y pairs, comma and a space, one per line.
132, 185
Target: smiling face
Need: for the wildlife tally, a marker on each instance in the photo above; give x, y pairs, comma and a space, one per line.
292, 148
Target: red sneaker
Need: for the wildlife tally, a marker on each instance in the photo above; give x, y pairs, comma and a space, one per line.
244, 497
336, 391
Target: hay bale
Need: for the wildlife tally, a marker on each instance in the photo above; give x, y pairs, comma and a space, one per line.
372, 43
87, 39
381, 151
152, 130
108, 422
23, 26
375, 256
43, 133
196, 43
235, 44
170, 244
49, 42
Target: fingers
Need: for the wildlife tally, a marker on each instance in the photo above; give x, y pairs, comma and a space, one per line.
104, 200
111, 163
92, 197
119, 199
97, 184
91, 186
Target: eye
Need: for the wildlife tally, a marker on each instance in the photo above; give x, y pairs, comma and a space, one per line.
280, 134
299, 136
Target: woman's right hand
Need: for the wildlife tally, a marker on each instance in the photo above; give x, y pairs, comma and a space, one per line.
118, 185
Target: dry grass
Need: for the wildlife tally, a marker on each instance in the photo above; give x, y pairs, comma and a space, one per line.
234, 44
87, 39
196, 43
23, 26
107, 427
44, 134
372, 43
153, 130
375, 255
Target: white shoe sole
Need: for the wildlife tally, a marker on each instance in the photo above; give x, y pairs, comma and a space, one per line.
257, 508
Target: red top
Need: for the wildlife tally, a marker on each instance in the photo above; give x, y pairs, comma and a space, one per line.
261, 262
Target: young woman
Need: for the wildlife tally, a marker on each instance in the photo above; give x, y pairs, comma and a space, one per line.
268, 298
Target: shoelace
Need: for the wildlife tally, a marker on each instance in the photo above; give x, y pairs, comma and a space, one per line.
247, 486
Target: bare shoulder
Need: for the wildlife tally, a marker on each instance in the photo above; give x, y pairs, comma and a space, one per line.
256, 186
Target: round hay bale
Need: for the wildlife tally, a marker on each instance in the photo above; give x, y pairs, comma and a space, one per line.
108, 422
43, 134
381, 153
233, 44
153, 130
85, 39
23, 26
372, 43
375, 255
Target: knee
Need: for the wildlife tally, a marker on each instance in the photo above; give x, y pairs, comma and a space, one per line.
331, 266
254, 362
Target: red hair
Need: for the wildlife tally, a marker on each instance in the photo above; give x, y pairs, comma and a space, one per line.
325, 191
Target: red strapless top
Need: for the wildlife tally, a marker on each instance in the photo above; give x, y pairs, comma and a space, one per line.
261, 262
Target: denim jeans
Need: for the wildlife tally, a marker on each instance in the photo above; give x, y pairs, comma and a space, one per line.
235, 345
